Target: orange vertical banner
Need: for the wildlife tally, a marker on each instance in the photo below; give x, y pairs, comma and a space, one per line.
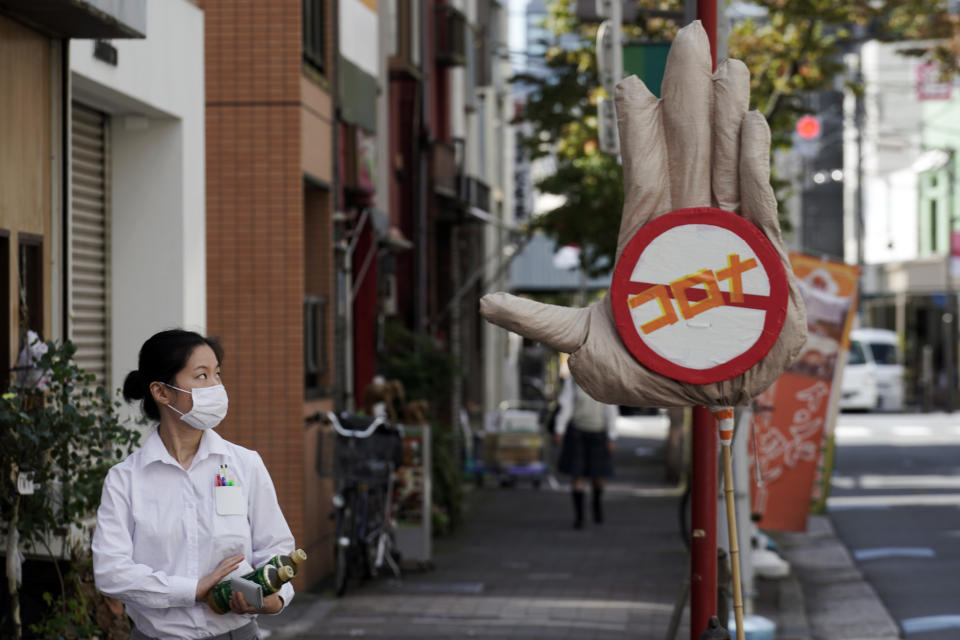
792, 418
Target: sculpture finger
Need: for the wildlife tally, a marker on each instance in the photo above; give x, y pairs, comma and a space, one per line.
642, 145
758, 202
731, 95
687, 115
560, 328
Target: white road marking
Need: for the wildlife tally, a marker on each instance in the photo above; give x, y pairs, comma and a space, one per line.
912, 431
886, 501
868, 481
845, 431
851, 507
893, 552
843, 482
930, 623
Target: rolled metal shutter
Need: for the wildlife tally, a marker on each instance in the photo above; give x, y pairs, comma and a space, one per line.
89, 241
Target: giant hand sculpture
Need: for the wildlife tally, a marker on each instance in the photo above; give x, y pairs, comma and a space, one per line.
697, 146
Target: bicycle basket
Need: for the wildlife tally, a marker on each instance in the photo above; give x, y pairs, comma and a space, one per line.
367, 458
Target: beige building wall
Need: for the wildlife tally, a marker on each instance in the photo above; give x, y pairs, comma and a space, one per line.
26, 164
316, 132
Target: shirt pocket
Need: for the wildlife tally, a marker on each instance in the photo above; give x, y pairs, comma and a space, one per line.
231, 529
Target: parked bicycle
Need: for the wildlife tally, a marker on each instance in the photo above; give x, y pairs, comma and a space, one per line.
368, 451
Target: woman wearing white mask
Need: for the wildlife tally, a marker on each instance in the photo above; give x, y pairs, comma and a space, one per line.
188, 509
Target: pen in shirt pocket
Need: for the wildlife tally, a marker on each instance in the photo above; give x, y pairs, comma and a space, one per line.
224, 482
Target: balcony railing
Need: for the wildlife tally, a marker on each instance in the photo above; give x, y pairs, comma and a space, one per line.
475, 193
445, 169
451, 36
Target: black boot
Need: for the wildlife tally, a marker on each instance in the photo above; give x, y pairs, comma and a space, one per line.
598, 505
577, 509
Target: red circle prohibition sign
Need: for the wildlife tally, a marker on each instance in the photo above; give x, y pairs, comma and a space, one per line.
691, 299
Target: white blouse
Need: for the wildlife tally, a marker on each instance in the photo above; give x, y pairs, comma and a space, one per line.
159, 530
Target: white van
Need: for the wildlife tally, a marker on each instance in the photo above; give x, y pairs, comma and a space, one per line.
873, 377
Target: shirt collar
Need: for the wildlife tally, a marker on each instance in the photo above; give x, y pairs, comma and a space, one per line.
154, 450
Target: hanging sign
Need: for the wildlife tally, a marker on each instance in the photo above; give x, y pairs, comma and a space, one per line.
793, 420
699, 295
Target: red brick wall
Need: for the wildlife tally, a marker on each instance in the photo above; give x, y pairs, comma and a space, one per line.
255, 226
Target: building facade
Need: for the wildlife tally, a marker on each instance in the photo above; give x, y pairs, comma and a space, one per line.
270, 132
907, 194
35, 160
135, 229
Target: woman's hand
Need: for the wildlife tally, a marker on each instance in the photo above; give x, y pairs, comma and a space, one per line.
225, 568
271, 604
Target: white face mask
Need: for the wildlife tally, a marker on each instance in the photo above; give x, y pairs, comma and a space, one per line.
209, 406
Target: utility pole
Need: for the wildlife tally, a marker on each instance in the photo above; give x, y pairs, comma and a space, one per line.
859, 111
950, 317
610, 68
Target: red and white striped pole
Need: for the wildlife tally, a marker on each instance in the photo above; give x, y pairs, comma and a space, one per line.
724, 416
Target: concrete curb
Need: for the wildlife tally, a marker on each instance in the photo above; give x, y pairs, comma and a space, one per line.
840, 604
792, 623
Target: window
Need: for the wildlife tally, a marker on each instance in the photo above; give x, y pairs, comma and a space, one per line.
856, 353
31, 283
314, 340
318, 290
451, 41
884, 353
313, 32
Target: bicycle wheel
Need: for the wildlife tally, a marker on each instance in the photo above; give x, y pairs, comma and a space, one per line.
342, 553
341, 571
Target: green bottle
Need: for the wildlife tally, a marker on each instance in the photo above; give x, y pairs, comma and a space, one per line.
294, 560
269, 577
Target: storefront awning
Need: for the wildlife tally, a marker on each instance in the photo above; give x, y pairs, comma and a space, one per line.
81, 18
931, 160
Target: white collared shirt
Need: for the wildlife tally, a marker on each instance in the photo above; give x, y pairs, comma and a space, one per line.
158, 532
573, 399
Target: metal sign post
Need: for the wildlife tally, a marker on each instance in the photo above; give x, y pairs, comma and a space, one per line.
610, 68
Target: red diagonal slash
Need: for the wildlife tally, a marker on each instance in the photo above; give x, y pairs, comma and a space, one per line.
750, 301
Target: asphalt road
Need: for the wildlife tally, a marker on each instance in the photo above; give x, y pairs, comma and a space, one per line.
895, 503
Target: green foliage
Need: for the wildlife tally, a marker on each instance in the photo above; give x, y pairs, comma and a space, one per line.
428, 373
425, 369
793, 51
81, 611
447, 482
68, 617
65, 433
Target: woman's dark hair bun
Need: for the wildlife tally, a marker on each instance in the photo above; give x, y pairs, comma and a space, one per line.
134, 386
162, 356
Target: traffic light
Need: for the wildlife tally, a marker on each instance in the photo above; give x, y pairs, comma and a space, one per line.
808, 127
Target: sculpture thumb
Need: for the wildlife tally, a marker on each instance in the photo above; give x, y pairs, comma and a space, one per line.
560, 328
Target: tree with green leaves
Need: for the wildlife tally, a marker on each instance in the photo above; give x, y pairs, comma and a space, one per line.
59, 435
795, 49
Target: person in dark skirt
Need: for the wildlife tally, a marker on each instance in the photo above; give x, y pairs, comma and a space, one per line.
586, 429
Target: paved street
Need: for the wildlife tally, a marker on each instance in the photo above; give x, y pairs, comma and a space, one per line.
895, 498
518, 569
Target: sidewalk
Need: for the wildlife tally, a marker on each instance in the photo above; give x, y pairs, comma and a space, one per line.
516, 569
